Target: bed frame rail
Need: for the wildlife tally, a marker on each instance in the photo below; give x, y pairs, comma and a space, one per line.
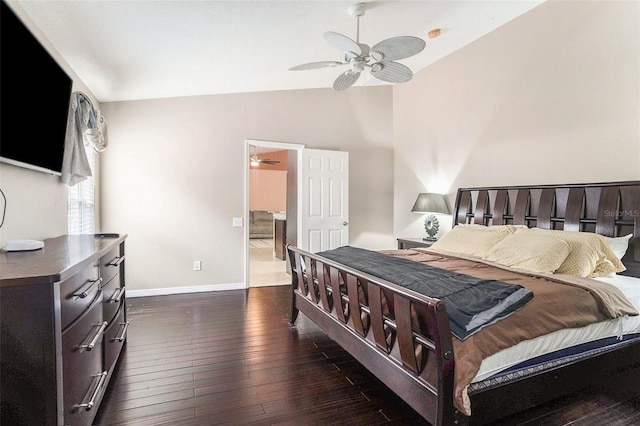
400, 336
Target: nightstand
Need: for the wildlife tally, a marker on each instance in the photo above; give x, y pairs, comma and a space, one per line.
407, 243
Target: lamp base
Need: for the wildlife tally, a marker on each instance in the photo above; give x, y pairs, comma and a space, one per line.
431, 225
430, 239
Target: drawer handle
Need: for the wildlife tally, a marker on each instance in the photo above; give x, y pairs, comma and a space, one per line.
94, 395
98, 335
85, 293
122, 335
116, 261
117, 296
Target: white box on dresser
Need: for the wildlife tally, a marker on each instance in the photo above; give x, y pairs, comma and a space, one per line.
62, 327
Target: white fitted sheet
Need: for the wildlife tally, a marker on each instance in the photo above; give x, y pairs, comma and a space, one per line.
566, 338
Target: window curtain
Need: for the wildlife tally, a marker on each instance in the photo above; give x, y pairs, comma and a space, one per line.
85, 128
86, 137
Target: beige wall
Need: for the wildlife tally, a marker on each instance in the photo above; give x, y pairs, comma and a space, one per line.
551, 97
36, 204
174, 174
36, 201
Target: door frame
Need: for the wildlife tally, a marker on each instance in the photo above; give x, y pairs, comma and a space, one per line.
248, 143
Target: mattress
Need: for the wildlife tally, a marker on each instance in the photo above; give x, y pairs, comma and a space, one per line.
567, 343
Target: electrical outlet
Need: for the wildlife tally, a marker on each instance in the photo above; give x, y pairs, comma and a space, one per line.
197, 265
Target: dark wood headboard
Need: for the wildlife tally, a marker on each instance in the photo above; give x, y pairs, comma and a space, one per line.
610, 209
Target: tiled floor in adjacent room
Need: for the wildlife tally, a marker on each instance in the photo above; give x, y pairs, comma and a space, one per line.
265, 269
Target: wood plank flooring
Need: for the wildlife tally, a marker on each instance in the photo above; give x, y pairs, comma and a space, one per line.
231, 357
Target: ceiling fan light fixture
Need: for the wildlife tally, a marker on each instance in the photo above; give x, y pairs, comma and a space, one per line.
376, 56
357, 66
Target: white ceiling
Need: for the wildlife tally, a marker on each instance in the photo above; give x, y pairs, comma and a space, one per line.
126, 50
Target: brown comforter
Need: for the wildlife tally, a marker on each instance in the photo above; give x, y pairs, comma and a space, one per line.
559, 302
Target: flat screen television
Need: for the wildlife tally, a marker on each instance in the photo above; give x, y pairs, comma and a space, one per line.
35, 93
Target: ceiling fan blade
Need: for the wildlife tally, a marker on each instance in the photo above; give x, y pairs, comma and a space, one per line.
345, 80
342, 42
395, 48
392, 72
315, 65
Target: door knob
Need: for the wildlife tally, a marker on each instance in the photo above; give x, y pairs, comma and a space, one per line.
345, 223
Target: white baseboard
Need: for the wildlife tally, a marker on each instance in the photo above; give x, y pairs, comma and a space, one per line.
180, 290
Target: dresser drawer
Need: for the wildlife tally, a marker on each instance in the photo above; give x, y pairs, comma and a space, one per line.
77, 293
112, 296
114, 338
82, 366
110, 264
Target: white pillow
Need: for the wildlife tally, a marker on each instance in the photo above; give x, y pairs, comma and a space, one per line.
618, 245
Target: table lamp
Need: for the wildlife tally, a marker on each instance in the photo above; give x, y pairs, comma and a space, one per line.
430, 203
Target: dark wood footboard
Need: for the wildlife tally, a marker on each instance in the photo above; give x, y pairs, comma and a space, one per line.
401, 337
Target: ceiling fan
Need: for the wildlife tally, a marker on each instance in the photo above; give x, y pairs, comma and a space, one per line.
380, 59
255, 161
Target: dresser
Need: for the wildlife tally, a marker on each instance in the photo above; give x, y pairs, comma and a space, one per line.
62, 326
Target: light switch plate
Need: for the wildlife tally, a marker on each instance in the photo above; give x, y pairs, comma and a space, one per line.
237, 222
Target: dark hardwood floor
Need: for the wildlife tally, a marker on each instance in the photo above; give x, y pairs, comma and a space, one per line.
231, 357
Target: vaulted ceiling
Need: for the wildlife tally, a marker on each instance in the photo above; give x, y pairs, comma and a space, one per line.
126, 50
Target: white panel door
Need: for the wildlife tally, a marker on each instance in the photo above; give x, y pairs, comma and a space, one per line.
324, 200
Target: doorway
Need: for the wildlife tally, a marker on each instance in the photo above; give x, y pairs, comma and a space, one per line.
271, 210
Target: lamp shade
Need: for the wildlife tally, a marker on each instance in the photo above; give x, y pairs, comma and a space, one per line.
430, 203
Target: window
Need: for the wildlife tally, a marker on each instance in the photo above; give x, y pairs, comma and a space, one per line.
81, 214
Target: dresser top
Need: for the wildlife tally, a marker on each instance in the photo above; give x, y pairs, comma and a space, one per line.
60, 258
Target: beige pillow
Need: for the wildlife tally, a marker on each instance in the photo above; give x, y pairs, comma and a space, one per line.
535, 253
472, 240
589, 257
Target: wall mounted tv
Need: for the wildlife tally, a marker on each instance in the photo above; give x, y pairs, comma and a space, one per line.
35, 93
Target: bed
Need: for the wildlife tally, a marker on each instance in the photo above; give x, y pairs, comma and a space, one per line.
413, 342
